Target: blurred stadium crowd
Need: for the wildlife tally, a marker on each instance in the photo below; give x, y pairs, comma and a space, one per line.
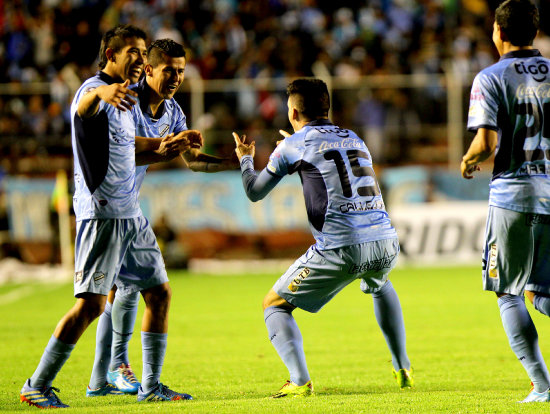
47, 47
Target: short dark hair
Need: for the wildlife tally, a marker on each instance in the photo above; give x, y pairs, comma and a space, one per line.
115, 39
161, 47
519, 20
314, 101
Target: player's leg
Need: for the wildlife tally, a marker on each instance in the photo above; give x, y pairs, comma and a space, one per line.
381, 257
286, 338
523, 338
124, 316
540, 301
38, 389
103, 341
144, 270
538, 287
154, 339
508, 258
310, 283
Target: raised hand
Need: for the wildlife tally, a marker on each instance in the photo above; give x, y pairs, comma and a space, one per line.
284, 134
241, 148
117, 95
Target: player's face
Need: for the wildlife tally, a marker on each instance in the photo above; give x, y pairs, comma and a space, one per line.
130, 60
166, 78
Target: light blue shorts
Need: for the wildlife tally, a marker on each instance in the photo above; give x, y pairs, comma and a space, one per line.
107, 248
316, 277
516, 256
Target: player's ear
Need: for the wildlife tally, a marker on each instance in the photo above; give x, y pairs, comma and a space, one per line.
110, 54
148, 70
295, 114
501, 34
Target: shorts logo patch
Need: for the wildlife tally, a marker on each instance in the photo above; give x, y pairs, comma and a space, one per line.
78, 277
374, 265
295, 284
99, 278
493, 271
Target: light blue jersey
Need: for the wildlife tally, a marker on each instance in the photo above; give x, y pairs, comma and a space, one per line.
104, 159
171, 119
513, 97
342, 197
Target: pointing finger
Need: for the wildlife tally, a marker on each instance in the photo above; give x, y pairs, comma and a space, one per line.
237, 139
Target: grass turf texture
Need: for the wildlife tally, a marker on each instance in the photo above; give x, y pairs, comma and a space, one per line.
218, 349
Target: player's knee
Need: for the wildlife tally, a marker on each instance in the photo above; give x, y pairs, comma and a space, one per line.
90, 306
273, 299
158, 296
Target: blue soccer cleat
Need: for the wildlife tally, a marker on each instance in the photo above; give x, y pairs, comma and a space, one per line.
40, 397
123, 379
537, 397
107, 389
161, 393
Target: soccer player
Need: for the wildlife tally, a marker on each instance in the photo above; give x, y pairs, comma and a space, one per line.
509, 110
347, 216
111, 230
156, 114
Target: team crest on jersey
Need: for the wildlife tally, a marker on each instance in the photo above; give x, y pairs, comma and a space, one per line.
99, 278
493, 271
163, 130
295, 284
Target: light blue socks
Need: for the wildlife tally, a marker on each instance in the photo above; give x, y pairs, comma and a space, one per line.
523, 339
103, 340
154, 348
285, 336
124, 318
389, 316
53, 358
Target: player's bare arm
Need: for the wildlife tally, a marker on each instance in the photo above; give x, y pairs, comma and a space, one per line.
116, 94
200, 162
482, 147
241, 148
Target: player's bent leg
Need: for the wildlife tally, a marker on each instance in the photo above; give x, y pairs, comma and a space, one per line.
389, 316
286, 337
124, 315
86, 309
523, 338
540, 301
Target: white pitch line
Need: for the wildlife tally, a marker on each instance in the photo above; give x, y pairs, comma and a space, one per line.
23, 291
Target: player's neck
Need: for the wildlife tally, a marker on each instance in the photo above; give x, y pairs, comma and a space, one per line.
108, 70
508, 47
155, 101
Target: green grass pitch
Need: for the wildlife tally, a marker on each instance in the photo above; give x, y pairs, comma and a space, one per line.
218, 350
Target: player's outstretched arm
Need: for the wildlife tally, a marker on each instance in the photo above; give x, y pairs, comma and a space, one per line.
256, 186
116, 94
481, 148
200, 162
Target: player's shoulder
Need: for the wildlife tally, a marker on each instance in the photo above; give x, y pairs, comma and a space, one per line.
173, 106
